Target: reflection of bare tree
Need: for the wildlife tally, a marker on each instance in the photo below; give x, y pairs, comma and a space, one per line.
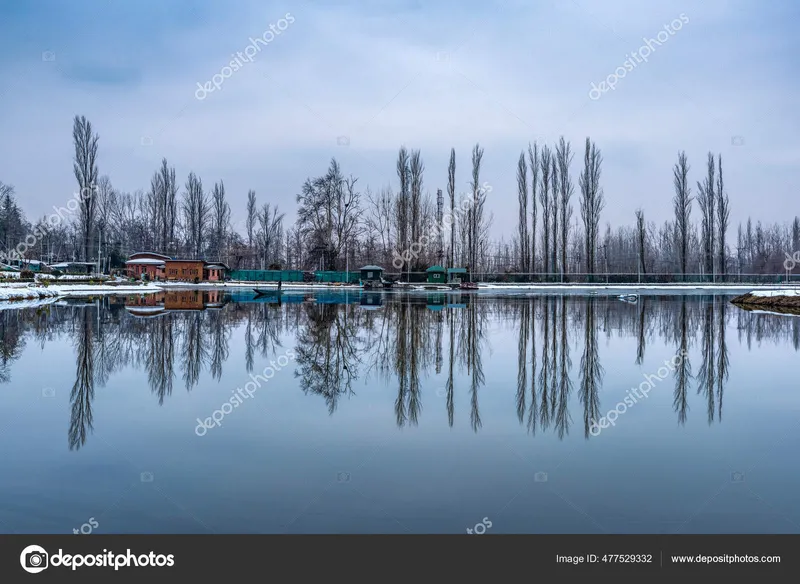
328, 345
249, 343
683, 372
722, 355
641, 330
533, 412
522, 359
475, 337
82, 393
450, 405
195, 350
219, 344
565, 384
160, 363
544, 377
11, 342
591, 370
706, 381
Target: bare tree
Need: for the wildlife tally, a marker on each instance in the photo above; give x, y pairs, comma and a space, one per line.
476, 210
221, 217
415, 170
566, 190
439, 227
403, 200
522, 197
533, 160
196, 214
706, 200
451, 193
554, 205
546, 160
682, 203
252, 219
85, 168
592, 201
641, 239
378, 221
723, 220
270, 222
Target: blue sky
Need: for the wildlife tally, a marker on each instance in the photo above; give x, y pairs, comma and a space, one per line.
430, 75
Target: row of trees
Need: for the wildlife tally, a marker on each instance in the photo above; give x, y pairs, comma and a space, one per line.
403, 226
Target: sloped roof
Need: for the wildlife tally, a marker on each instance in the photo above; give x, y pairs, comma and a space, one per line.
147, 262
372, 268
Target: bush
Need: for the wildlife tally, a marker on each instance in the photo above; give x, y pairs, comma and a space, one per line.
27, 275
45, 283
56, 273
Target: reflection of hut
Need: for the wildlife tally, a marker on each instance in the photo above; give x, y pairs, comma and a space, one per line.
436, 275
174, 301
436, 301
372, 274
457, 275
371, 301
145, 306
456, 301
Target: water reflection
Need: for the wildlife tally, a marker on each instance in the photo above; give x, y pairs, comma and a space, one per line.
395, 341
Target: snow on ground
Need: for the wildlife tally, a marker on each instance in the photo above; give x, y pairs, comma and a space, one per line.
101, 289
17, 292
781, 292
34, 303
772, 312
21, 291
629, 287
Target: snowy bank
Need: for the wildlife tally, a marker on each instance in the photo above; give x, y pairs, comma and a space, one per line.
785, 301
15, 291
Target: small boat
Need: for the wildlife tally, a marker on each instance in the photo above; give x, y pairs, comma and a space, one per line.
266, 291
629, 298
468, 286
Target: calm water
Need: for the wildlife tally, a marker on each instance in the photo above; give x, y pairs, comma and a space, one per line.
399, 414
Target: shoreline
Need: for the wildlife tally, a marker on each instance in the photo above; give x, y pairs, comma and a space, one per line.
783, 301
765, 296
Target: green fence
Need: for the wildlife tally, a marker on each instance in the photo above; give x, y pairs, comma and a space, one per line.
354, 277
267, 275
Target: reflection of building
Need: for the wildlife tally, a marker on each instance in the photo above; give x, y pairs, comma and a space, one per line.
371, 301
154, 266
174, 301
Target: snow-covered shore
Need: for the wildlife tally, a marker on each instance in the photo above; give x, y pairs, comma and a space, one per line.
16, 292
782, 301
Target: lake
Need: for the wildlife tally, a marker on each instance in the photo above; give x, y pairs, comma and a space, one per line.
216, 412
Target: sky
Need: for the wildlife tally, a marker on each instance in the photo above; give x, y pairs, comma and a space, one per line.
357, 79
